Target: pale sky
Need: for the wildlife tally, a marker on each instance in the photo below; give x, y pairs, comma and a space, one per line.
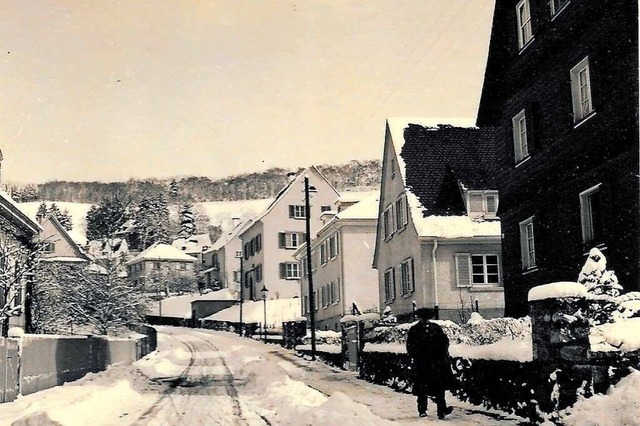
109, 90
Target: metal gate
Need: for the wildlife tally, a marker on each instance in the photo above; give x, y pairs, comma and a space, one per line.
8, 369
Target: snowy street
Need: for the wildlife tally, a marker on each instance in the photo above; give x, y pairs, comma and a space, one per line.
202, 377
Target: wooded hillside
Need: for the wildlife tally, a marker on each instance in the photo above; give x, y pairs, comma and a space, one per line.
355, 174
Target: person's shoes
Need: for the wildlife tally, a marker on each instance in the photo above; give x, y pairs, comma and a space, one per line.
447, 411
422, 415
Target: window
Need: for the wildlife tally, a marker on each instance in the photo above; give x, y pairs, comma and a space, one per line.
325, 208
182, 266
49, 247
407, 276
482, 203
333, 246
556, 6
523, 14
527, 244
477, 269
258, 243
401, 212
484, 269
520, 144
297, 212
389, 285
306, 304
156, 265
323, 296
259, 273
590, 214
236, 276
290, 240
323, 253
581, 90
387, 221
290, 271
246, 251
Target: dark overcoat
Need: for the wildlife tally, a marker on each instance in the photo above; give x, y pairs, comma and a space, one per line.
428, 347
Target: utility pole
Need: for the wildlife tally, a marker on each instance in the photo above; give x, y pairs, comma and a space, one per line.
312, 304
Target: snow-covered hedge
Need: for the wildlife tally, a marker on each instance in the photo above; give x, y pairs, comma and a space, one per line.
327, 337
478, 332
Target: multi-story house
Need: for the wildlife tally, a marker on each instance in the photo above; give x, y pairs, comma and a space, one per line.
438, 237
341, 254
222, 262
269, 242
561, 89
58, 245
160, 263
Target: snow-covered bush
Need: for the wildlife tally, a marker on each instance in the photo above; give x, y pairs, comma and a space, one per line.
326, 337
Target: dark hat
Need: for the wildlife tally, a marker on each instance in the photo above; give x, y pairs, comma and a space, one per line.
425, 313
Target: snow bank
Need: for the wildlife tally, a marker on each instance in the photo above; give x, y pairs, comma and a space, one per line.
620, 406
622, 335
278, 311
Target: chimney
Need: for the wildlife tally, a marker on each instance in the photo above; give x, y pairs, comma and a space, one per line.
235, 221
291, 176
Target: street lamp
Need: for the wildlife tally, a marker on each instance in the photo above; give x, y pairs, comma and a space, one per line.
312, 305
239, 256
264, 292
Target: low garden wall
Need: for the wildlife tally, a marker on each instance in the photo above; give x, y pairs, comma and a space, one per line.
46, 361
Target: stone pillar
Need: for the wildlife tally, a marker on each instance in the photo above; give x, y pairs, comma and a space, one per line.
559, 332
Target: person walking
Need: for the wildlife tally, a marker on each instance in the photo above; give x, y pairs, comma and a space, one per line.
428, 348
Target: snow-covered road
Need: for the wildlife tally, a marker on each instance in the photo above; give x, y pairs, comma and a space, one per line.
202, 377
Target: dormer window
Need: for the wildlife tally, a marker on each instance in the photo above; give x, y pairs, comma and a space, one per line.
482, 204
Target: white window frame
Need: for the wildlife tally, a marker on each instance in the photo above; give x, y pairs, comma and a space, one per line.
389, 285
407, 276
586, 213
298, 211
333, 246
292, 270
485, 204
388, 221
485, 272
581, 91
527, 244
520, 137
402, 217
324, 258
525, 29
556, 9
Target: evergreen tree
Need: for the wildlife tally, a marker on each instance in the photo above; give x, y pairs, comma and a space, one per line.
54, 210
152, 220
187, 221
106, 218
65, 220
42, 211
173, 188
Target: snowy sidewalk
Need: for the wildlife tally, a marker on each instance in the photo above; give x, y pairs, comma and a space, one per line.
383, 401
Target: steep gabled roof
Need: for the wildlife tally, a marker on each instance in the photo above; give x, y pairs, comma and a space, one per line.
80, 253
287, 188
226, 238
434, 160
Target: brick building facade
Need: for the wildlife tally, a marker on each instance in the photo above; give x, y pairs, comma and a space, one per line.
561, 87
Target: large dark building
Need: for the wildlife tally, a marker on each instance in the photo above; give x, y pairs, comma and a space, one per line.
561, 87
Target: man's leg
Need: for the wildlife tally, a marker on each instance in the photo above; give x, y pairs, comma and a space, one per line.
443, 410
422, 404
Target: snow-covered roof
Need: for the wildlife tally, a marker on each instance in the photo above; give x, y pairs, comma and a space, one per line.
450, 227
193, 244
226, 238
110, 248
15, 213
278, 311
224, 294
366, 208
65, 259
160, 251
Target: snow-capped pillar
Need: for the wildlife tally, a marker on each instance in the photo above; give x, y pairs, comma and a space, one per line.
559, 330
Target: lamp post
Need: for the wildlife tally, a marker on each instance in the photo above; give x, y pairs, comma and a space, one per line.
239, 256
264, 292
312, 304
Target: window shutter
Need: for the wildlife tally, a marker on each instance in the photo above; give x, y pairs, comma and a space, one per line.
413, 276
492, 206
283, 271
291, 214
463, 269
282, 240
